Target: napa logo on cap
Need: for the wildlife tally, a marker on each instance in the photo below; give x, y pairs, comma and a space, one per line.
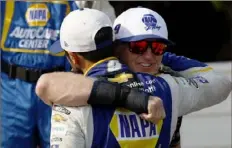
150, 21
37, 15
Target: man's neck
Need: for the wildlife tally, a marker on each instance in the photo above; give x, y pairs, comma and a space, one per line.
86, 66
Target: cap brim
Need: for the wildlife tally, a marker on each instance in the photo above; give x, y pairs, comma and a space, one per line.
56, 47
147, 37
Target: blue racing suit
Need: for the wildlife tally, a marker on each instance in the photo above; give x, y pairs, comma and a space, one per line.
112, 127
27, 30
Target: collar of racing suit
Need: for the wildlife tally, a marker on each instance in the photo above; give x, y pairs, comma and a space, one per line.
106, 67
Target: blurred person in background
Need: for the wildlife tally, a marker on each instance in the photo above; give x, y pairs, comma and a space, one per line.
27, 30
104, 6
224, 9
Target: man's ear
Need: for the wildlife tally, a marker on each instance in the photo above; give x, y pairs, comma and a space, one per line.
74, 58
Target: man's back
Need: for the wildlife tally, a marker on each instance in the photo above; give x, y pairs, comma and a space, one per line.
107, 126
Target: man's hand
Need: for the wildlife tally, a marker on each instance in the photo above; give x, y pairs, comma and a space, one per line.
156, 110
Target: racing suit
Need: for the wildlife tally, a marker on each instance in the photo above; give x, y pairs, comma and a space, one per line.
27, 30
100, 126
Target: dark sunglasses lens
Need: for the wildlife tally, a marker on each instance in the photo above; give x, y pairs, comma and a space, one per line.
158, 48
138, 47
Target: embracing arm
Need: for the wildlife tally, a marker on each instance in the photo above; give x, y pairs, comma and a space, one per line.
200, 86
71, 89
204, 90
74, 90
64, 88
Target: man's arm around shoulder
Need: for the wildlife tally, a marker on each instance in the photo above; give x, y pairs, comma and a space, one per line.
71, 89
64, 88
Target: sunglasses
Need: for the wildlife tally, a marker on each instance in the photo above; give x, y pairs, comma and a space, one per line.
140, 47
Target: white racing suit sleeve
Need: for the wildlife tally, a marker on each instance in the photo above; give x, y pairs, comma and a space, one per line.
188, 95
71, 127
203, 89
